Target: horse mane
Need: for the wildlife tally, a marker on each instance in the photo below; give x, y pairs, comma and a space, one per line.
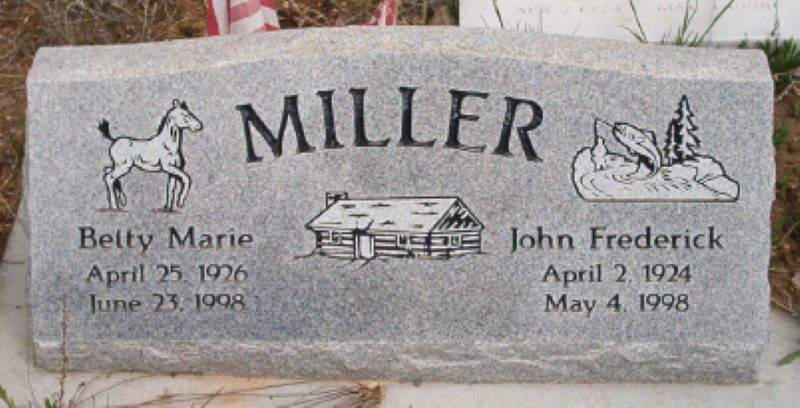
164, 120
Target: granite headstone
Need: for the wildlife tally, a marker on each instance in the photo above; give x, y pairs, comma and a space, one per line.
746, 19
409, 203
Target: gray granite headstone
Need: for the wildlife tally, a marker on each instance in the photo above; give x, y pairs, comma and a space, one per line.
407, 203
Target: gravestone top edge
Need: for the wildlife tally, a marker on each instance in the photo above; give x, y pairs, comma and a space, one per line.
110, 62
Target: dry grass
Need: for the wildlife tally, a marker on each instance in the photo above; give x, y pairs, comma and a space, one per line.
289, 394
785, 263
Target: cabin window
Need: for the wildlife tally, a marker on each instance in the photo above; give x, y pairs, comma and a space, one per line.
324, 235
336, 237
402, 241
455, 241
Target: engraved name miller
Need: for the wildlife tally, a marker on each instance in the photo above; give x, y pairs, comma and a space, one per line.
291, 112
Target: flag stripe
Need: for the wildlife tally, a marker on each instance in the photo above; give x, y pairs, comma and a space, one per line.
240, 17
212, 28
254, 23
270, 16
243, 9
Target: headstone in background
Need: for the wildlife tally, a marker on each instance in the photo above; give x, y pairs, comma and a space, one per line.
754, 20
396, 204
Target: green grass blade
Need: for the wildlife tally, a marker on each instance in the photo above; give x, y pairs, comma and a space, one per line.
5, 398
499, 15
780, 134
714, 21
687, 21
789, 359
642, 37
635, 35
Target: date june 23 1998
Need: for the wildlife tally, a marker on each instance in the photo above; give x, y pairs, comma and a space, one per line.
165, 274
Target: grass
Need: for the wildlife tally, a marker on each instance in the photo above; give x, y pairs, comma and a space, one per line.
778, 238
784, 268
791, 356
784, 56
518, 26
5, 398
684, 36
780, 134
784, 62
355, 395
499, 14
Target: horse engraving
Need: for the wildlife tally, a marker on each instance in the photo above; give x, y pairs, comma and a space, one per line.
160, 153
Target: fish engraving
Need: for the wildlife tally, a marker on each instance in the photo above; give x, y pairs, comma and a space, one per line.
640, 143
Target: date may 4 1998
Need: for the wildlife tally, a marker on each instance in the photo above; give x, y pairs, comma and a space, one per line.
675, 275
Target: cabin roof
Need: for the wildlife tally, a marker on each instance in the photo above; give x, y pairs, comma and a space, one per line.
406, 214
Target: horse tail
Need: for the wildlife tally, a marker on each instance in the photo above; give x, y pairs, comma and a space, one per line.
120, 194
104, 129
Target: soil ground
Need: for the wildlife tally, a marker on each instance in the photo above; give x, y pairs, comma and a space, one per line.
785, 263
26, 25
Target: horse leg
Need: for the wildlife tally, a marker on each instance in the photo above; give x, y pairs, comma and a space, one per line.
113, 184
121, 198
112, 195
185, 182
172, 185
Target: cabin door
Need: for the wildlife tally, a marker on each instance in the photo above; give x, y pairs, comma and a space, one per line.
365, 246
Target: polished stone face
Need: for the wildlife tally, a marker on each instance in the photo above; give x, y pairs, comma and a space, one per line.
405, 203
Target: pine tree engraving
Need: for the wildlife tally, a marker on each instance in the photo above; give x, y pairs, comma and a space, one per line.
681, 140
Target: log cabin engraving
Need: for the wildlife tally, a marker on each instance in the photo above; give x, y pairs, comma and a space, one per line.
401, 227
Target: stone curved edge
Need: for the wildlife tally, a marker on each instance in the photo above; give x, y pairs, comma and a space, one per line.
734, 363
97, 63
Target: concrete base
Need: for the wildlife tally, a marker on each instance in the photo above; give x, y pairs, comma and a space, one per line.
777, 387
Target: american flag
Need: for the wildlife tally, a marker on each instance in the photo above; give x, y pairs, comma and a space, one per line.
252, 16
